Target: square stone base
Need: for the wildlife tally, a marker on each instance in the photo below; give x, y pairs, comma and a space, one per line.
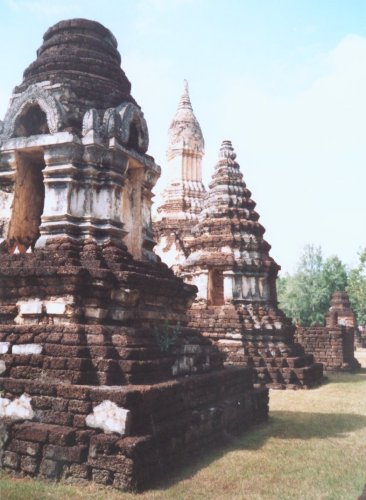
170, 423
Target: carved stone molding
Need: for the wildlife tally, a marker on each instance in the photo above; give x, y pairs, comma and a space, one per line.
33, 95
91, 123
131, 114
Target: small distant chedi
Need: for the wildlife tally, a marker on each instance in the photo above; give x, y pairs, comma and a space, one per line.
103, 375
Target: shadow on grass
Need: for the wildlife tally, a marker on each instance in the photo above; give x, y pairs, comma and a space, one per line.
346, 377
282, 425
306, 425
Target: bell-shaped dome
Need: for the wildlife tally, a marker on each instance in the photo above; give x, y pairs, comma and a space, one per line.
83, 55
185, 131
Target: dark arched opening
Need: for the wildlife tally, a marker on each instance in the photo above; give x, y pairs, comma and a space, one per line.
32, 121
133, 138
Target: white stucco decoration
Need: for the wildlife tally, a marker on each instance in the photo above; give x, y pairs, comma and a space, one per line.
55, 307
4, 403
27, 349
109, 417
129, 114
183, 366
18, 409
32, 307
171, 254
4, 347
185, 131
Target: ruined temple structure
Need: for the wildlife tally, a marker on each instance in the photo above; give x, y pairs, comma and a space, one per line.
225, 255
100, 376
341, 312
333, 344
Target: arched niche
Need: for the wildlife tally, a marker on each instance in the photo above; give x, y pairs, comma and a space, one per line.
31, 121
32, 107
133, 137
134, 133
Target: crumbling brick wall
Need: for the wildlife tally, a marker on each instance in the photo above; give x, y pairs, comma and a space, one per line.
332, 346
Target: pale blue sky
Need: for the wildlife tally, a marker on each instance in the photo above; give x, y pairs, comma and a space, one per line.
285, 80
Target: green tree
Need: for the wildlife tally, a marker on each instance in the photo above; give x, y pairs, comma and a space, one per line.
305, 296
334, 277
357, 288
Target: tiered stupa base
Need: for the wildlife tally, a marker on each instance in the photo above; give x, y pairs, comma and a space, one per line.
80, 328
255, 337
170, 423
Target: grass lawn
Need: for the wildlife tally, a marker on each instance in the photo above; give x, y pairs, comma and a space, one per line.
314, 447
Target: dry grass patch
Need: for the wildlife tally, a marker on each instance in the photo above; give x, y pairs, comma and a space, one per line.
314, 447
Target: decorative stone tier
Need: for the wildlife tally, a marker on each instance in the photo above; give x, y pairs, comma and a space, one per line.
260, 337
229, 236
169, 423
332, 346
98, 312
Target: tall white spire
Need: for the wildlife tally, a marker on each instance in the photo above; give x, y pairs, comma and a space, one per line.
183, 197
185, 131
186, 144
185, 101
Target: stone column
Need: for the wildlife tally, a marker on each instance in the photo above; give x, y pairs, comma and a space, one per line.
228, 285
7, 179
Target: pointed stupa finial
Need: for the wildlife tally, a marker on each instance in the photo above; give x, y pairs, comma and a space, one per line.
185, 132
227, 151
185, 101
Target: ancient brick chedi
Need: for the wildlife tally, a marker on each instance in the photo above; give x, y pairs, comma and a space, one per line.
227, 258
100, 376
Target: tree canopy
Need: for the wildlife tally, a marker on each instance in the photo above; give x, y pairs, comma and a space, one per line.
305, 295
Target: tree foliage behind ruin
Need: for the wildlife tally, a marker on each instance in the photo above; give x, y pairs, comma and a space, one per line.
305, 295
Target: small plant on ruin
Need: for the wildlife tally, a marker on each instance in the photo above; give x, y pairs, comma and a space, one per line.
166, 336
